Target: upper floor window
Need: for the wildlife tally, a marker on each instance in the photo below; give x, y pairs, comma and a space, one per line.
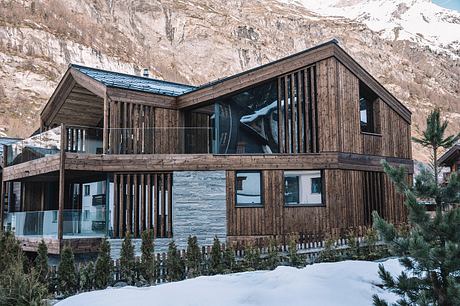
303, 188
368, 109
87, 190
248, 188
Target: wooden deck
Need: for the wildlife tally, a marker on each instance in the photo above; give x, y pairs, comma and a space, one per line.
78, 245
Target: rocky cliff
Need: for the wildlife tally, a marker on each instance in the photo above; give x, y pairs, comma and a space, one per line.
198, 41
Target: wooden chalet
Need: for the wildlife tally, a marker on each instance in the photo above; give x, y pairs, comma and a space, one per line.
290, 147
450, 159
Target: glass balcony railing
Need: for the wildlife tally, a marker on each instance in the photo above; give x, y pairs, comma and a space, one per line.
159, 140
76, 223
37, 146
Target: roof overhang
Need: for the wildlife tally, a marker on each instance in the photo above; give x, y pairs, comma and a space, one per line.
450, 157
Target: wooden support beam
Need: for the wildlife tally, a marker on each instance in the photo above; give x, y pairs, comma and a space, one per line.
149, 202
170, 203
105, 132
142, 202
3, 186
115, 212
62, 182
136, 206
163, 205
121, 207
129, 212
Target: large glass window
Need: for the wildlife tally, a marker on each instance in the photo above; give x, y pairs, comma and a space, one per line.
244, 122
303, 188
248, 188
367, 109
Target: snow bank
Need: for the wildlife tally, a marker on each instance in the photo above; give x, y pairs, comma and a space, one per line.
343, 283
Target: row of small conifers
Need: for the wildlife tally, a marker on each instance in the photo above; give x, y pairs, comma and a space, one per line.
24, 281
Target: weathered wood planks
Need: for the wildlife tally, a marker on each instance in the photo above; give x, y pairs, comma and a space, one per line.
149, 193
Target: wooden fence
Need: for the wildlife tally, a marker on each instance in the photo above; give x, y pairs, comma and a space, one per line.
308, 250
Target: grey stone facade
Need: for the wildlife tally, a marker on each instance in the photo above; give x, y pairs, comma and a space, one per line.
199, 209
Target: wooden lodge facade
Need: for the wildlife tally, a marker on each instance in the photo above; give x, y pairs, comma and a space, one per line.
293, 146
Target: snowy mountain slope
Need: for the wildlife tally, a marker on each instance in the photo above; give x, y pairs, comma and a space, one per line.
420, 21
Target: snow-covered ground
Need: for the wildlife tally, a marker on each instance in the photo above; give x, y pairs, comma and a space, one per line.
343, 283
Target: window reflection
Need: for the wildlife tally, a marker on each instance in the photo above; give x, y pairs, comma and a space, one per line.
248, 188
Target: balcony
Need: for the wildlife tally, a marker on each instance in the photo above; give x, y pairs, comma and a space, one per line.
89, 140
44, 224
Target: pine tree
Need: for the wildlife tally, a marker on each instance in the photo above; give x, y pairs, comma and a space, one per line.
103, 269
228, 260
9, 250
67, 273
17, 287
251, 258
193, 257
273, 258
147, 265
216, 257
174, 264
433, 138
41, 262
87, 274
430, 252
294, 259
127, 260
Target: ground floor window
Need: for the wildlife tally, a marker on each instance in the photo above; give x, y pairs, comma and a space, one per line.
248, 188
303, 187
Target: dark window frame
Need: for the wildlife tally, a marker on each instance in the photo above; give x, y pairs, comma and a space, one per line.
86, 190
250, 205
323, 190
368, 102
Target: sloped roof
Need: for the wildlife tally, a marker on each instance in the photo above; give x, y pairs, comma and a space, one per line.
450, 156
133, 82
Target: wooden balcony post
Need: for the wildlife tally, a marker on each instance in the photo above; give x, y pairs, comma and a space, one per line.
61, 181
105, 132
3, 186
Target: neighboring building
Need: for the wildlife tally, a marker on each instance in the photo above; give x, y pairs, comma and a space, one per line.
450, 159
290, 147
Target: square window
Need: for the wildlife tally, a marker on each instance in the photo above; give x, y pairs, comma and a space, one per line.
248, 188
303, 188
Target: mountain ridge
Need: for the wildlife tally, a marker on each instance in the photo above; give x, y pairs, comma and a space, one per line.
195, 42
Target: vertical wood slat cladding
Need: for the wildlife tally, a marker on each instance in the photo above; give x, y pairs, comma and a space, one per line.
297, 128
346, 197
197, 133
143, 129
339, 117
374, 195
149, 193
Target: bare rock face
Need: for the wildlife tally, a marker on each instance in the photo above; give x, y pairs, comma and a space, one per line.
195, 42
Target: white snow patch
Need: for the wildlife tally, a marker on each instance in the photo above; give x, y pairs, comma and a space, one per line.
419, 21
343, 283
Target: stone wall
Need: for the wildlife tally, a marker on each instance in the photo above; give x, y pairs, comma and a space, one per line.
199, 209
